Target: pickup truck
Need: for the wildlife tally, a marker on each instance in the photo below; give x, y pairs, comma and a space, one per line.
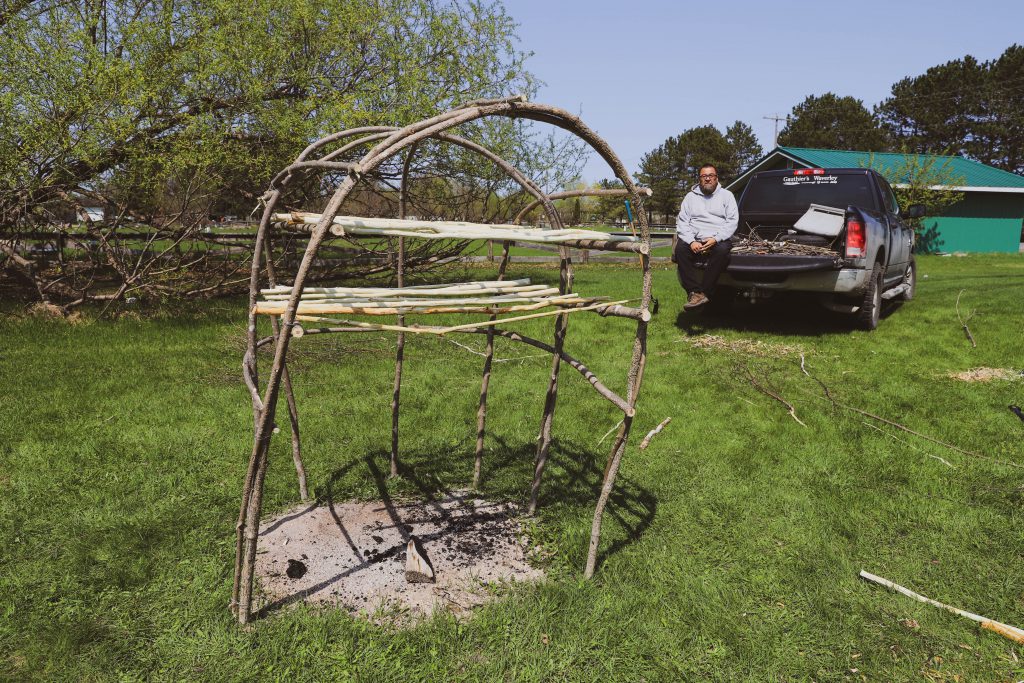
852, 247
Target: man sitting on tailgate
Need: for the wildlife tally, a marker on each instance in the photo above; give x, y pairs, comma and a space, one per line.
707, 220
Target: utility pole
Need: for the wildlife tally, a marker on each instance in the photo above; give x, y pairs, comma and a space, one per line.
776, 118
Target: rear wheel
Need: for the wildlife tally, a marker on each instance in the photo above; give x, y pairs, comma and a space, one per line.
871, 306
910, 280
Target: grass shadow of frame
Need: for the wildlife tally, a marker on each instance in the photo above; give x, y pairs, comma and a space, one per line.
785, 314
572, 481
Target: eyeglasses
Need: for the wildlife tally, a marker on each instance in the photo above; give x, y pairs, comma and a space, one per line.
708, 176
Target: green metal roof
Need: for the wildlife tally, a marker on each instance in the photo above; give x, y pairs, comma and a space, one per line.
966, 172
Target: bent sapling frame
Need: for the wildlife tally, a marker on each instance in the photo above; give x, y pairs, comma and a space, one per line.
390, 142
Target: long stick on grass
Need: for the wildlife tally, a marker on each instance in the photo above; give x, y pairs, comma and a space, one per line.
609, 432
896, 438
897, 425
836, 404
963, 323
1012, 632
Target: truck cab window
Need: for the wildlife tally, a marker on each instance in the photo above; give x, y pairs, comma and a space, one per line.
889, 197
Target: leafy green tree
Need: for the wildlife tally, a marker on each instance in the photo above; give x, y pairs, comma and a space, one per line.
703, 145
833, 122
671, 169
1002, 138
932, 112
169, 111
965, 107
147, 102
745, 147
914, 180
610, 209
658, 172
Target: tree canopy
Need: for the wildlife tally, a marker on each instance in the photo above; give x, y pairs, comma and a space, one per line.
833, 122
671, 169
161, 107
963, 107
168, 111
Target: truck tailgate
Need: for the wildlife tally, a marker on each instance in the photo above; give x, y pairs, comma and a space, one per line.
749, 264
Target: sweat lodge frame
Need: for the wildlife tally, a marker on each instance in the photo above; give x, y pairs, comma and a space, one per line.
289, 306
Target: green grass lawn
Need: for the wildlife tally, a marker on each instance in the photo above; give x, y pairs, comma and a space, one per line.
731, 546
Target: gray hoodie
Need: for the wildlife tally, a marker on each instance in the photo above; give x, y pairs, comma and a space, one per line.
702, 217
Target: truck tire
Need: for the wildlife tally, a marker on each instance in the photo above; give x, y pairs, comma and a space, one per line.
910, 279
871, 306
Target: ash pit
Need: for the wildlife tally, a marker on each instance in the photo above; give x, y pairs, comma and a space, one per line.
354, 554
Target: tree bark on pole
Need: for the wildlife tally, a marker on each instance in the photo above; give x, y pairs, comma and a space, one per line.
481, 412
293, 411
634, 380
396, 392
551, 398
258, 457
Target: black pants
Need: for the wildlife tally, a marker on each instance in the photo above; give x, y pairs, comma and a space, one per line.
714, 262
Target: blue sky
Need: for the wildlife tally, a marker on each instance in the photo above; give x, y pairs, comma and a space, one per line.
640, 71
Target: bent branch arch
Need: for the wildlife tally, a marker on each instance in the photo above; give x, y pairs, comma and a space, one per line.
387, 142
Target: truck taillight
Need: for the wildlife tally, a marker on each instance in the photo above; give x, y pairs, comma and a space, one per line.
809, 171
854, 238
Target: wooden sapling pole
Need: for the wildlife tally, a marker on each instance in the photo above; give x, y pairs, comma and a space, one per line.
441, 331
634, 381
289, 394
258, 458
481, 412
396, 394
399, 357
550, 399
251, 377
384, 227
293, 418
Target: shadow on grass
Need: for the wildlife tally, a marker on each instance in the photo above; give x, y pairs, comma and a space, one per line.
572, 481
783, 315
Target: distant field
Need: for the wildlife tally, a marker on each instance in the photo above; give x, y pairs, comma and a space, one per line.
731, 547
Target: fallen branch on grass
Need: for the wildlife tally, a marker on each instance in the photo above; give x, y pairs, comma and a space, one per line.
828, 394
893, 436
650, 435
836, 404
768, 392
963, 322
1005, 630
950, 446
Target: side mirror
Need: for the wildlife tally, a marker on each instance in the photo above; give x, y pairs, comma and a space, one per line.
915, 211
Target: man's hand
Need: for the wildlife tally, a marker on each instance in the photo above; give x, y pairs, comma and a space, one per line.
708, 243
696, 247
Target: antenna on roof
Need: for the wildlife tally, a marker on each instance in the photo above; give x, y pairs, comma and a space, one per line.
776, 118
